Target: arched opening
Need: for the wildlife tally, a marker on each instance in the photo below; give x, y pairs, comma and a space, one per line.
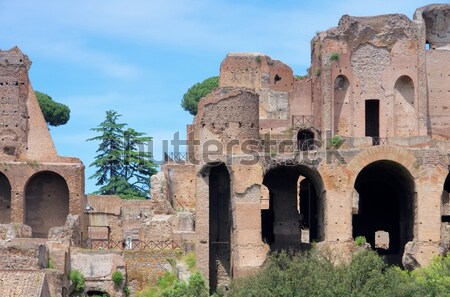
305, 140
5, 200
342, 107
219, 226
405, 119
46, 203
97, 293
295, 213
386, 202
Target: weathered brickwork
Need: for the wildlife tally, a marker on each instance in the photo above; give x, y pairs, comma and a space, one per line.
144, 267
358, 147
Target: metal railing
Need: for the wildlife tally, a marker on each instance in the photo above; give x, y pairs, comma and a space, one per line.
179, 157
380, 141
302, 120
134, 244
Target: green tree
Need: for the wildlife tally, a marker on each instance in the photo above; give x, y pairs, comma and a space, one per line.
123, 166
55, 114
433, 280
198, 91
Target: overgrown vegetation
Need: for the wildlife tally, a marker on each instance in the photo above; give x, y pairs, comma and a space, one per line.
336, 141
169, 286
117, 278
334, 57
197, 92
77, 279
189, 259
312, 274
55, 114
360, 240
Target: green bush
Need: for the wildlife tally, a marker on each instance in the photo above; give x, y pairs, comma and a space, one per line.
117, 278
169, 286
334, 57
77, 278
189, 259
433, 280
360, 240
311, 274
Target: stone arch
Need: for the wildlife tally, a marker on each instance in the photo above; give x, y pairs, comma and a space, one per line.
296, 207
46, 202
343, 110
376, 153
5, 199
386, 201
405, 116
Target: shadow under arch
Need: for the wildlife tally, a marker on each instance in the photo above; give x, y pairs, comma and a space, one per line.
386, 201
342, 106
296, 207
405, 115
46, 202
220, 222
5, 199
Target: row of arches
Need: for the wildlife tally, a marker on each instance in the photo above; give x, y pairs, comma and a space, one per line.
46, 202
383, 210
404, 111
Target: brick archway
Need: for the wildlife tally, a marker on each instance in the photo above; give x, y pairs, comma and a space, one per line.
379, 153
46, 202
5, 200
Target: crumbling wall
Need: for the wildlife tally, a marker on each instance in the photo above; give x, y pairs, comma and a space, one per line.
146, 266
272, 80
437, 24
371, 53
97, 267
14, 68
181, 186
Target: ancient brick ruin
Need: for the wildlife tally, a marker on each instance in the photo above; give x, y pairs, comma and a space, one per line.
360, 146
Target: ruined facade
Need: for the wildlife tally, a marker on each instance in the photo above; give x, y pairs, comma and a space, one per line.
38, 187
360, 146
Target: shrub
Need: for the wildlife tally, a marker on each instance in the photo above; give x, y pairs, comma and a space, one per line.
258, 59
318, 72
169, 286
334, 57
126, 291
77, 278
336, 141
360, 240
433, 280
117, 278
311, 274
189, 259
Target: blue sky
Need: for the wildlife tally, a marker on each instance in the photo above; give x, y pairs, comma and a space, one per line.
138, 57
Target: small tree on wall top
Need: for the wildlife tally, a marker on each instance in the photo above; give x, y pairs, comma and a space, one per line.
55, 114
197, 92
123, 166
